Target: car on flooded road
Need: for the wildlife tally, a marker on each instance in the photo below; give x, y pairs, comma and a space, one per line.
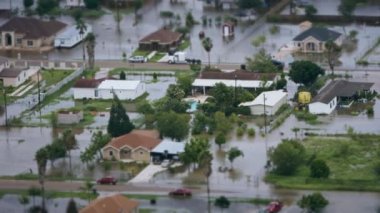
107, 180
181, 192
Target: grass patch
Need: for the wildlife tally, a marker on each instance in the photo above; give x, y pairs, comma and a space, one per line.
50, 194
146, 210
307, 117
282, 114
350, 159
93, 14
184, 45
54, 76
141, 196
157, 57
139, 52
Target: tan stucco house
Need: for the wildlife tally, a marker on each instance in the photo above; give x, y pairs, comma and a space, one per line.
134, 146
22, 33
112, 204
313, 39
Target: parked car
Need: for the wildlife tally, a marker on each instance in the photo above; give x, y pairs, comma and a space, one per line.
165, 163
107, 180
137, 59
280, 65
180, 192
274, 207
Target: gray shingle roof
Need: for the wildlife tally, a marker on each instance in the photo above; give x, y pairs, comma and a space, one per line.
340, 88
10, 72
321, 34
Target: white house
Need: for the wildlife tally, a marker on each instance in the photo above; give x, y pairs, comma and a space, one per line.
336, 91
71, 36
86, 88
13, 76
271, 101
238, 78
75, 3
124, 89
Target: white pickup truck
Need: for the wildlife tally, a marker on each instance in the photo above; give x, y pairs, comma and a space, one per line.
180, 58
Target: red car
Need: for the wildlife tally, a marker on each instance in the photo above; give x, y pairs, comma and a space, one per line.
274, 207
107, 180
180, 192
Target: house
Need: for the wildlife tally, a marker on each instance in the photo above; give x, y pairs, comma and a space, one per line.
134, 146
112, 204
71, 36
238, 78
222, 4
13, 76
335, 92
69, 117
4, 63
313, 39
160, 40
75, 3
85, 88
105, 89
268, 102
124, 89
167, 150
21, 33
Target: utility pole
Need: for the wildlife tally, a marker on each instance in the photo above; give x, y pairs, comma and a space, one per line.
265, 116
38, 87
235, 89
5, 105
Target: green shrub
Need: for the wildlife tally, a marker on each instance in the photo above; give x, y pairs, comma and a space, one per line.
240, 131
319, 169
251, 132
274, 29
370, 111
376, 168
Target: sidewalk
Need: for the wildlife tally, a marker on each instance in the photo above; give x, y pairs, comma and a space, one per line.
147, 174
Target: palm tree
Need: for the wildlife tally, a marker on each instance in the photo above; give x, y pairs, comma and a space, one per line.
41, 158
69, 141
207, 159
81, 27
234, 153
332, 54
91, 42
207, 45
87, 188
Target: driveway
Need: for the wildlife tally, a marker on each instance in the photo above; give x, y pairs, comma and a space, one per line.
146, 175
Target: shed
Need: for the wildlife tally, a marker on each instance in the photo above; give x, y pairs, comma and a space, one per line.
271, 101
69, 117
167, 150
228, 29
124, 89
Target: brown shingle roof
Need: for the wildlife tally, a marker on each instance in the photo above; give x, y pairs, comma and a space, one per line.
87, 83
33, 28
111, 204
240, 75
163, 36
144, 138
340, 88
10, 72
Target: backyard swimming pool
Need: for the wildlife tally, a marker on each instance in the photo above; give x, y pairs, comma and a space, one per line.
193, 106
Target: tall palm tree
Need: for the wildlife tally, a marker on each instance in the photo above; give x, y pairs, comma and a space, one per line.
207, 45
69, 141
41, 158
332, 54
91, 42
81, 27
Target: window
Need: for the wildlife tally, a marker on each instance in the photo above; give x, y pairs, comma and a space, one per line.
30, 43
141, 153
24, 74
111, 153
19, 41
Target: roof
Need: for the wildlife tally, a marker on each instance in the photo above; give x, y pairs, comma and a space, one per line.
340, 88
3, 60
73, 31
148, 139
10, 72
87, 83
119, 84
33, 28
239, 74
231, 83
169, 146
5, 13
319, 33
271, 98
162, 36
111, 204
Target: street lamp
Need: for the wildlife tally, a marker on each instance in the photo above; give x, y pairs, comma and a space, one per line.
5, 103
265, 116
235, 89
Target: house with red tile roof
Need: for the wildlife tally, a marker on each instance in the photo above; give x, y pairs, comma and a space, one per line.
112, 204
24, 33
160, 40
134, 146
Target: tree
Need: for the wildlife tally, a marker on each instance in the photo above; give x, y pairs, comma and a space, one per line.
233, 153
98, 141
207, 45
222, 202
45, 6
69, 142
90, 44
220, 139
144, 107
287, 157
319, 169
247, 4
195, 151
87, 188
189, 20
41, 158
137, 4
33, 192
55, 151
347, 7
119, 123
122, 75
261, 62
175, 92
376, 168
223, 96
23, 200
332, 54
28, 3
313, 202
305, 72
92, 4
72, 206
184, 82
81, 27
173, 125
222, 123
310, 11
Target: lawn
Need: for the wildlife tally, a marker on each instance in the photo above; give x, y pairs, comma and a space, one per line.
54, 76
350, 159
157, 57
184, 45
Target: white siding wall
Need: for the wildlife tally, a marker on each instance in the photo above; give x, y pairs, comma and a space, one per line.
322, 108
80, 93
122, 94
271, 110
